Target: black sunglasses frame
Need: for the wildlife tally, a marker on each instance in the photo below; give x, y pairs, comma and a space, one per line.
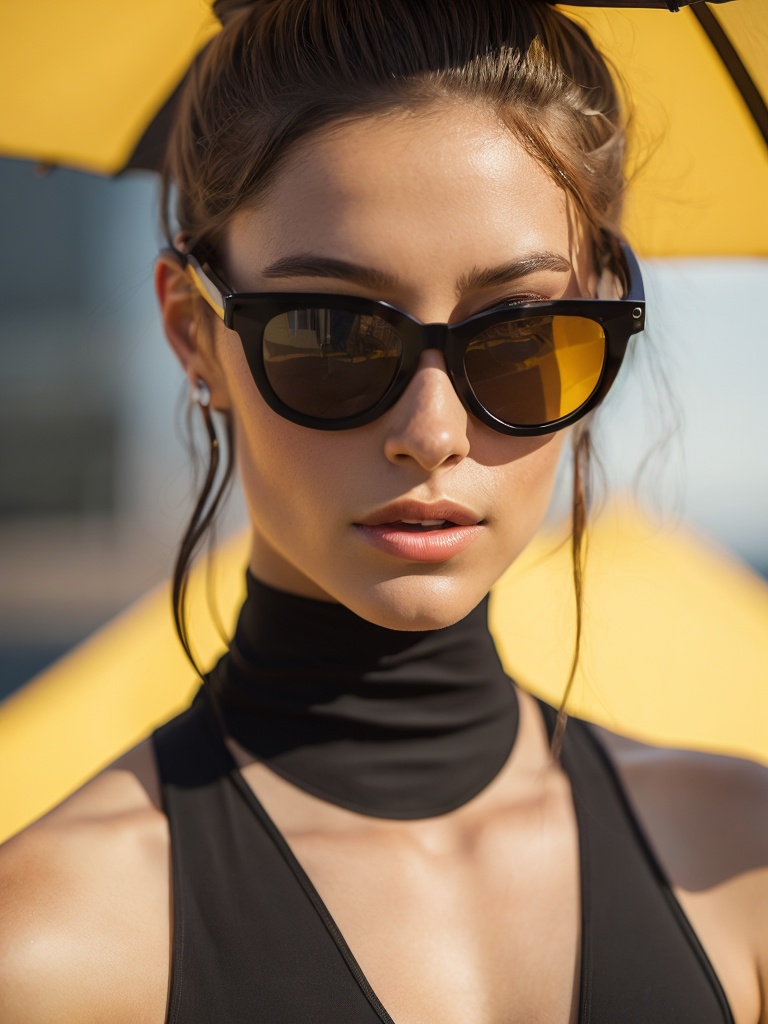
248, 313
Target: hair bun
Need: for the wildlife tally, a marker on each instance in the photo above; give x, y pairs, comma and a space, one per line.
228, 10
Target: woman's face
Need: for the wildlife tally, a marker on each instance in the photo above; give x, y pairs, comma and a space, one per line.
431, 213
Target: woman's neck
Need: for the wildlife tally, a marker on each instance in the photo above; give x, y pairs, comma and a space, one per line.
387, 723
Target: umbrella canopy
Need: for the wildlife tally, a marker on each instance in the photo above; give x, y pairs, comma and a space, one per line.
89, 84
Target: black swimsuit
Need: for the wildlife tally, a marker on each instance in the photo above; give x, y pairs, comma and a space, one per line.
253, 942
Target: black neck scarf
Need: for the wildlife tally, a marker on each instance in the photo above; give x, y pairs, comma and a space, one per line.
387, 723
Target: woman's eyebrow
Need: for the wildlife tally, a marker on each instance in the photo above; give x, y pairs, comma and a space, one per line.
305, 264
506, 272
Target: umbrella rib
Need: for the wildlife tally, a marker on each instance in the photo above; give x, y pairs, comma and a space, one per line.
733, 62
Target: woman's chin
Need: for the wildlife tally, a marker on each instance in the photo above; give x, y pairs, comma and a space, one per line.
415, 602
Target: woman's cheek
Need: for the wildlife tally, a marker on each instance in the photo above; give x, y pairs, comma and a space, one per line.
525, 490
294, 481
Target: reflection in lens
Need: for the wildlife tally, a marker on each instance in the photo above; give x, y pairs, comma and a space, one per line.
537, 370
329, 363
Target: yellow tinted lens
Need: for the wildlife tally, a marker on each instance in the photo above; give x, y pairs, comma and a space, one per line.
537, 370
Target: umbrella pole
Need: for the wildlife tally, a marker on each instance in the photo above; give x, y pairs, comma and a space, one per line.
733, 62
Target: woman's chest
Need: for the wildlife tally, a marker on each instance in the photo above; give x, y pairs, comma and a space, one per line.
282, 917
478, 925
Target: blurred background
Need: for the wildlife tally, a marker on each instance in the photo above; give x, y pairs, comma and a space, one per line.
96, 483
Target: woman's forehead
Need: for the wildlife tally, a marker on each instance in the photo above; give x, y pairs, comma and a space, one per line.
395, 192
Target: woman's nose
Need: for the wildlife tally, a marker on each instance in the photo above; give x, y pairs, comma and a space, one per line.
428, 424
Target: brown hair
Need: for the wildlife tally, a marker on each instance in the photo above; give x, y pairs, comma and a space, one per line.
281, 70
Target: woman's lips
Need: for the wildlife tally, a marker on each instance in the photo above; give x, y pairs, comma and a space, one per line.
421, 531
418, 545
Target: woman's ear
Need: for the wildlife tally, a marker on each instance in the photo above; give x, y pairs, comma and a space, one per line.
186, 329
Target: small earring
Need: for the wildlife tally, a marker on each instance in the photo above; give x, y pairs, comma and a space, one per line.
200, 393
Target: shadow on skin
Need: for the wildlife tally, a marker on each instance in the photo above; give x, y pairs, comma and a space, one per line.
499, 450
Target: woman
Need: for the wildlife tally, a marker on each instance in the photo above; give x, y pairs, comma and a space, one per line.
365, 820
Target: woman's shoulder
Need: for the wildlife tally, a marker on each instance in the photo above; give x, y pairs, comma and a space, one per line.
84, 910
706, 813
705, 816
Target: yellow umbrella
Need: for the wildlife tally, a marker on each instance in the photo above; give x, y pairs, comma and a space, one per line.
90, 84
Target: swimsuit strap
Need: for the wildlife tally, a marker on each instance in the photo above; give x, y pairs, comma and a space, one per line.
641, 960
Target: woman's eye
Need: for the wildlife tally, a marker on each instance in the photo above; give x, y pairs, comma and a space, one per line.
518, 300
515, 300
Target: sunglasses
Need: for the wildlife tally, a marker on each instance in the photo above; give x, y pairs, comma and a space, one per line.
334, 362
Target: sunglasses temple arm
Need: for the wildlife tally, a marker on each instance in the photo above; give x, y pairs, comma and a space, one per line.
636, 291
205, 286
204, 281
